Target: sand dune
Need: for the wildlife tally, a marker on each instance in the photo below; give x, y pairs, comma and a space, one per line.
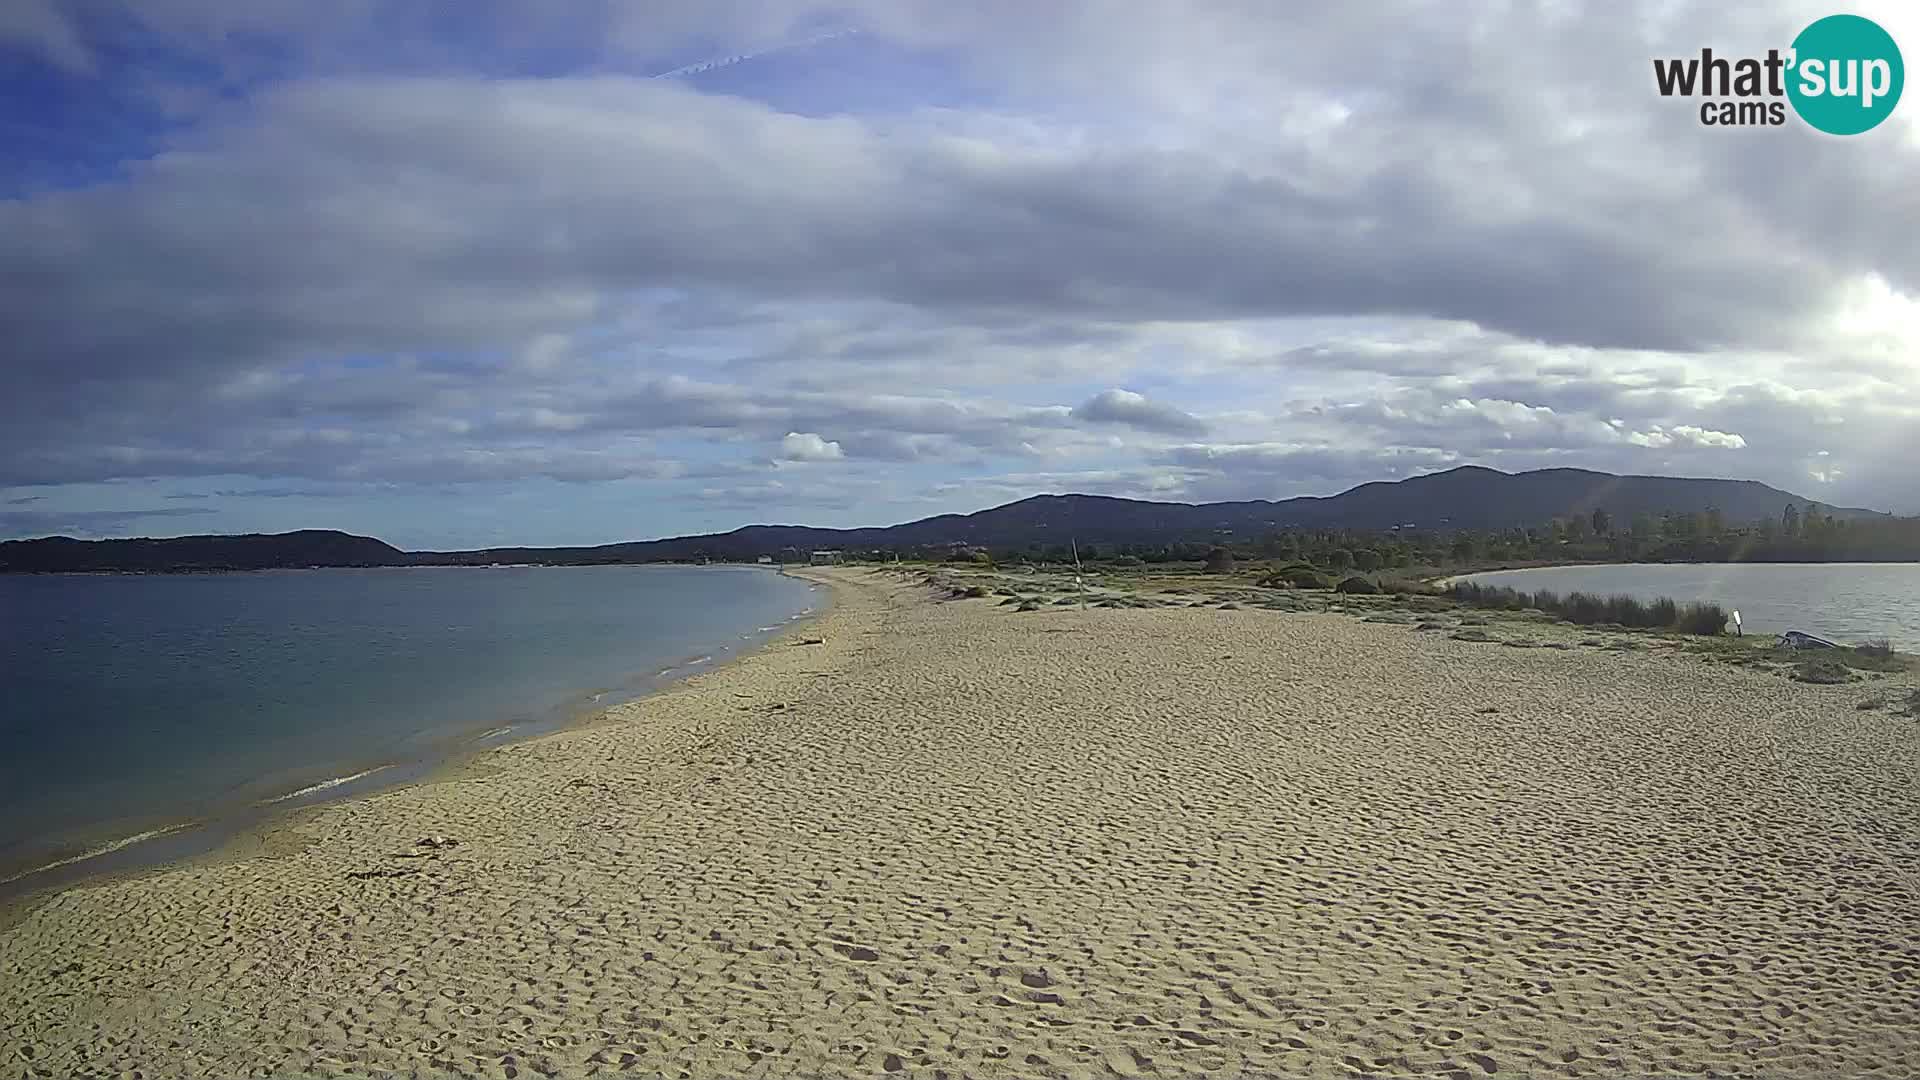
956, 841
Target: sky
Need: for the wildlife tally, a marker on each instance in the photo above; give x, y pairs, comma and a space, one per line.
484, 273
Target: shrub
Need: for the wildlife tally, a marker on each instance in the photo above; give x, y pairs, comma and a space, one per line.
1587, 609
1823, 671
976, 592
1627, 611
1298, 577
1129, 560
1584, 608
1879, 647
1707, 619
1358, 585
1219, 561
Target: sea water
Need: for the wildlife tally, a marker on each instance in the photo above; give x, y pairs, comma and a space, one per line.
133, 705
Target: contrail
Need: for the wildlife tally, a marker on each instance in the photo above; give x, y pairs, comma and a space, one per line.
729, 61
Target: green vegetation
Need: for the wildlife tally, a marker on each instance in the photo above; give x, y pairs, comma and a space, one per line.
1796, 534
1587, 609
1296, 576
1823, 670
1465, 611
1873, 656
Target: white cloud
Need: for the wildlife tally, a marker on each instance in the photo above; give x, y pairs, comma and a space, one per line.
807, 446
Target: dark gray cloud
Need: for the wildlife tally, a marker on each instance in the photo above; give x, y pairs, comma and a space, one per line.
82, 522
1135, 410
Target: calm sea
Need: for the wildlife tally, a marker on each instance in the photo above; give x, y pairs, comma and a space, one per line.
1847, 602
132, 704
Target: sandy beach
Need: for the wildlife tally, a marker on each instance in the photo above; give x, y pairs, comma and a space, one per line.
953, 840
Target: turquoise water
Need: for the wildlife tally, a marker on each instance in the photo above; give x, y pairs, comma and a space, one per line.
1847, 602
130, 704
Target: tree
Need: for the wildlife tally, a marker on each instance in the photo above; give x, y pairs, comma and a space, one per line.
1219, 561
1715, 523
1790, 520
1810, 523
1340, 559
1367, 560
1602, 522
1463, 547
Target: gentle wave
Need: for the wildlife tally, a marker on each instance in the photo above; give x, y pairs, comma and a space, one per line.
324, 785
104, 849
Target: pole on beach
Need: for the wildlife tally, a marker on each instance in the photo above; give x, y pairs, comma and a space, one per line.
1737, 631
1079, 586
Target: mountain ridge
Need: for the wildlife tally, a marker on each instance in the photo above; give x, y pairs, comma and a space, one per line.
1468, 497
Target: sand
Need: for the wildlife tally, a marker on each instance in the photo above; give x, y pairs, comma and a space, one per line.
953, 840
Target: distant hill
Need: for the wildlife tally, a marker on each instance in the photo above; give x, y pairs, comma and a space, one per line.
1465, 498
1469, 497
309, 547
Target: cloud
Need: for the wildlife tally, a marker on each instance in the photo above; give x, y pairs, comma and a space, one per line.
364, 255
1134, 410
806, 446
39, 28
82, 522
1686, 434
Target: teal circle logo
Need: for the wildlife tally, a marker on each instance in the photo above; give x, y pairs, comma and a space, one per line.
1846, 75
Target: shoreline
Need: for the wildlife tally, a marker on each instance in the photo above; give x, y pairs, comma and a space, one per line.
953, 837
156, 845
